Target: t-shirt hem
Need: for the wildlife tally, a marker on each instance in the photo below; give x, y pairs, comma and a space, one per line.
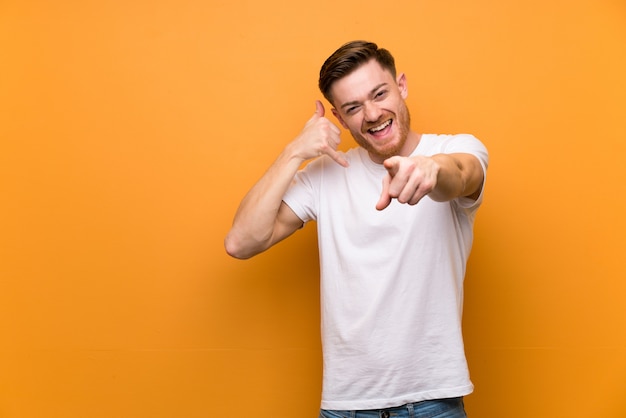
359, 405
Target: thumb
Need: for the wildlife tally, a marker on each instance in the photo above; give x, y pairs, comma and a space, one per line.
319, 109
392, 165
319, 112
384, 199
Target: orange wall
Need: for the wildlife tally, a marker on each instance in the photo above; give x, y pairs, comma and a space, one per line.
130, 131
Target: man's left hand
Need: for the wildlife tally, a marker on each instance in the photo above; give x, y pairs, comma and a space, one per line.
408, 180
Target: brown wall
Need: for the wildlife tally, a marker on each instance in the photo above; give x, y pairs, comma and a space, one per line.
131, 129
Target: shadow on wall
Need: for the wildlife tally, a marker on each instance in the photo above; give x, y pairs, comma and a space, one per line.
278, 292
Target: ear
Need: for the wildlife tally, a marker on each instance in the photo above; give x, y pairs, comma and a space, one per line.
402, 85
338, 116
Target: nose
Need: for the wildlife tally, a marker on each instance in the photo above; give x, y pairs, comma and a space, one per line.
372, 112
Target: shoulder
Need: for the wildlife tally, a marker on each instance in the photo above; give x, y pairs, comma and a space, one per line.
452, 143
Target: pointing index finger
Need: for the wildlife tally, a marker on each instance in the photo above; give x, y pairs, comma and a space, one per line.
384, 199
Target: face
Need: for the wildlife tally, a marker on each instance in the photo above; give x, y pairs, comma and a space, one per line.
370, 104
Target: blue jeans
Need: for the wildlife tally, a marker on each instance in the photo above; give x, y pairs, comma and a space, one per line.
438, 408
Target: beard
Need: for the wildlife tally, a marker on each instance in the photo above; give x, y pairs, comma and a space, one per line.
401, 122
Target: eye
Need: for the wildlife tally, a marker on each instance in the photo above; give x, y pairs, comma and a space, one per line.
351, 110
381, 94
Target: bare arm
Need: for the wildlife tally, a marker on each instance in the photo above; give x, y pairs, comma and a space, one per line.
460, 175
443, 177
263, 219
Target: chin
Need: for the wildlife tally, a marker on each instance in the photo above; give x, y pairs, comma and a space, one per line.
390, 150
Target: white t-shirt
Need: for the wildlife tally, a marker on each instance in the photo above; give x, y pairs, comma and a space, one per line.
391, 281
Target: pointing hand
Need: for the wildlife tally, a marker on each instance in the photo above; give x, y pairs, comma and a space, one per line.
408, 180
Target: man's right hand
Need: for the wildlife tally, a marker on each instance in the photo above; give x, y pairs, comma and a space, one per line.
319, 136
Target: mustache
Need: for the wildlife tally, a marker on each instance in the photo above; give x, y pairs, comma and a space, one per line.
366, 126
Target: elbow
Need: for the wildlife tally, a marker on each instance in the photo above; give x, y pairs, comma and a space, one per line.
234, 247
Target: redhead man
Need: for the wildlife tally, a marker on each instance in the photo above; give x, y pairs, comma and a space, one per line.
395, 225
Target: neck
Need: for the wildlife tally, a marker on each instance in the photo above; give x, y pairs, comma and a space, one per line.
412, 141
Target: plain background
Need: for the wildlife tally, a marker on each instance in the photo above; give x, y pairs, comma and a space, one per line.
130, 130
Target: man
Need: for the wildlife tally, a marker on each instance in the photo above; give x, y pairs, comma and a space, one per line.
394, 218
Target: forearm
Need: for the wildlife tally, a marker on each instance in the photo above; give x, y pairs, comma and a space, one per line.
262, 220
254, 225
459, 175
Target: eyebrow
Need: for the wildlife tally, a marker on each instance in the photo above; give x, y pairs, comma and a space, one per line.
356, 102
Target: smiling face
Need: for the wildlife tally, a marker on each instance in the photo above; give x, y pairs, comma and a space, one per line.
370, 104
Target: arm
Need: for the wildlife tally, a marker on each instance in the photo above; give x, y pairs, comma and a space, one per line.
263, 219
443, 177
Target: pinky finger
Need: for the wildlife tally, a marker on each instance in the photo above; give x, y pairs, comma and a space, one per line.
337, 157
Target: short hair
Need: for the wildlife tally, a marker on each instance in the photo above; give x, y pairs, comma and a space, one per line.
348, 58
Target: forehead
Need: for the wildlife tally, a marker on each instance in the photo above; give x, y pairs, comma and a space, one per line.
360, 83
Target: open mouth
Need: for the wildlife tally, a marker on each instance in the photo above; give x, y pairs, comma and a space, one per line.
382, 129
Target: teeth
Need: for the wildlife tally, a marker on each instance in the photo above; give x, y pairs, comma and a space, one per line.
381, 127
